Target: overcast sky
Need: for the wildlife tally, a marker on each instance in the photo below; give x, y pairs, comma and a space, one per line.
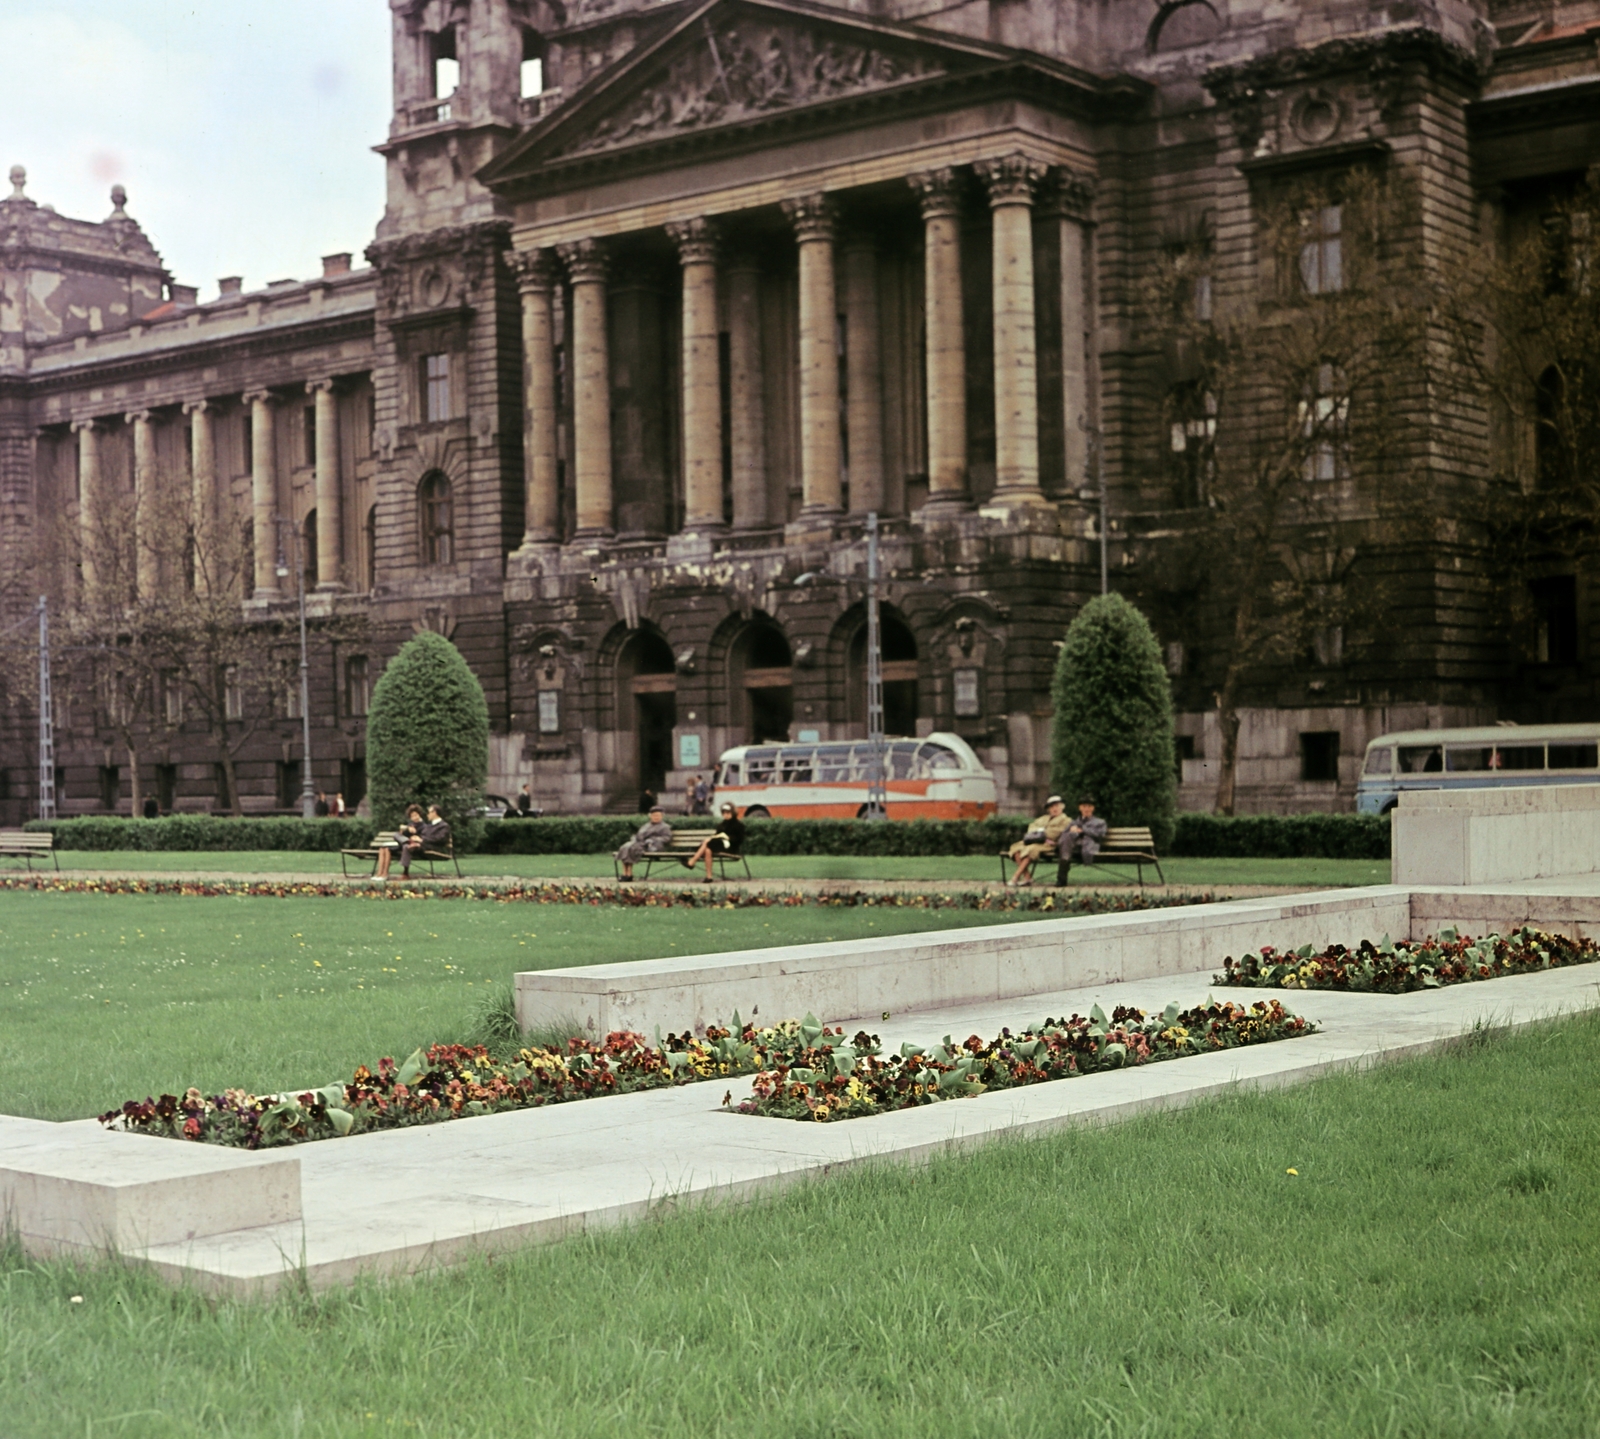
242, 129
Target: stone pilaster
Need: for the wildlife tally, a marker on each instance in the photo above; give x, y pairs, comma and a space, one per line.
263, 493
747, 438
813, 219
202, 492
940, 197
148, 541
702, 381
591, 384
89, 507
1010, 181
863, 376
536, 279
1070, 201
330, 530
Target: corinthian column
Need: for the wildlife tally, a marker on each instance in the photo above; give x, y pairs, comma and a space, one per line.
864, 376
147, 541
1010, 181
330, 542
813, 220
702, 379
89, 537
536, 278
202, 490
939, 192
263, 493
747, 439
591, 384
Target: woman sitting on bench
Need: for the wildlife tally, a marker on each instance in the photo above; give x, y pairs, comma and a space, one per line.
1041, 839
728, 839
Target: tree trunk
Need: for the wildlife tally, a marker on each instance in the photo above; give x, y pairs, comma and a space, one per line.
235, 807
133, 774
1228, 723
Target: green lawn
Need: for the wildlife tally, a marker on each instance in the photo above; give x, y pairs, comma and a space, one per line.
1430, 1271
1198, 873
111, 997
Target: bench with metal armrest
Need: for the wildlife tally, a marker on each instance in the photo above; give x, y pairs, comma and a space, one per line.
370, 853
26, 843
1124, 844
684, 843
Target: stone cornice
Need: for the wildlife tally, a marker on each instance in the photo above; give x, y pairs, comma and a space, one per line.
1230, 84
451, 240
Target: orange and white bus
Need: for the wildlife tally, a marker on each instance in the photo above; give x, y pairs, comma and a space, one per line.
934, 778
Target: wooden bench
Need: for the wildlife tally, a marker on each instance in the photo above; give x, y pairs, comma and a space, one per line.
380, 842
1125, 844
26, 843
684, 843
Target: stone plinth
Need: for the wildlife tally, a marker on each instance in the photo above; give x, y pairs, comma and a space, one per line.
1495, 836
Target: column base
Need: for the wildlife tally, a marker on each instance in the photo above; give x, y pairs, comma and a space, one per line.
592, 534
266, 595
1005, 499
695, 546
814, 527
329, 587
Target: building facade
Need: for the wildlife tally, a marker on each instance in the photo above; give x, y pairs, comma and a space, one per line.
668, 297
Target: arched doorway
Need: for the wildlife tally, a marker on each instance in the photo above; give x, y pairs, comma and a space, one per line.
647, 704
760, 683
899, 676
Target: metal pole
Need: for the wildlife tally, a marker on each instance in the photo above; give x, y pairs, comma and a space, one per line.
877, 796
308, 798
47, 727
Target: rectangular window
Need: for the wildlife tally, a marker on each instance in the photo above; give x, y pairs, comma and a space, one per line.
288, 784
532, 78
1319, 756
1421, 759
232, 694
1182, 749
1574, 756
1321, 250
968, 694
352, 782
435, 388
1380, 761
166, 786
110, 785
549, 711
172, 698
1555, 608
357, 686
1324, 423
291, 696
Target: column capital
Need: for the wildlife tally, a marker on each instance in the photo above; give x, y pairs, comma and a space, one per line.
319, 384
535, 270
1011, 179
196, 407
137, 417
586, 261
813, 216
259, 397
696, 239
1069, 194
938, 192
80, 426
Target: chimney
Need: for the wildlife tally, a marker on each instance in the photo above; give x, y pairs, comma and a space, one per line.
335, 265
230, 285
184, 295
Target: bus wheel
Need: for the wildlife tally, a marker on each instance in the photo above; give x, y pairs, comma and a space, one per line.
757, 812
868, 811
1388, 808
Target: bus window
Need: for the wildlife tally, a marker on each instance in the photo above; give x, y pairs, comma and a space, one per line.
1420, 759
1574, 756
1474, 757
760, 766
834, 764
797, 766
729, 775
902, 760
1526, 756
1380, 761
937, 757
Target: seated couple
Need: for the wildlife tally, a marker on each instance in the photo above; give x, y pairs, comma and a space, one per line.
414, 835
1056, 837
655, 835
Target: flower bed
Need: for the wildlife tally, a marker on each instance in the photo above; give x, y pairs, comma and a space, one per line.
453, 1081
841, 1081
1399, 968
628, 896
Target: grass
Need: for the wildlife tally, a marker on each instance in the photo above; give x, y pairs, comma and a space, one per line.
1196, 873
1429, 1271
113, 997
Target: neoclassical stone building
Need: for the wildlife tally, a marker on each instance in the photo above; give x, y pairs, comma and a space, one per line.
668, 297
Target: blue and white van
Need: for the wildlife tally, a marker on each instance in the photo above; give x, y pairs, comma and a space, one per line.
1484, 758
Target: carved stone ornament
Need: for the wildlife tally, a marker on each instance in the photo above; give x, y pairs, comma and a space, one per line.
696, 240
1070, 193
585, 261
744, 68
938, 191
535, 270
813, 217
1011, 179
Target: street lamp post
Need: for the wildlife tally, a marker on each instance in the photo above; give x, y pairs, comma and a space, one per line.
47, 730
877, 796
308, 798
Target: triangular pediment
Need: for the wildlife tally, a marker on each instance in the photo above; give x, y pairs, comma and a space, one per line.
731, 62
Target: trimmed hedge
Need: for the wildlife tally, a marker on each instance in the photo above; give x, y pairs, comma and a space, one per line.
1252, 836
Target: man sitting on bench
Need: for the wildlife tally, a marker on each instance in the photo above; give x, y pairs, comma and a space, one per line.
1081, 840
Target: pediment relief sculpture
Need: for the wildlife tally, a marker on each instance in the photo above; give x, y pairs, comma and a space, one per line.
746, 68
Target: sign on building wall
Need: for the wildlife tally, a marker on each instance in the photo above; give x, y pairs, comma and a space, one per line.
689, 751
549, 711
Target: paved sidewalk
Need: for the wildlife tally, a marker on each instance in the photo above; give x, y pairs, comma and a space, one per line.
382, 1203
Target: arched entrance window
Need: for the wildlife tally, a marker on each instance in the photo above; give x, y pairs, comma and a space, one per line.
308, 549
647, 705
760, 683
438, 523
900, 703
